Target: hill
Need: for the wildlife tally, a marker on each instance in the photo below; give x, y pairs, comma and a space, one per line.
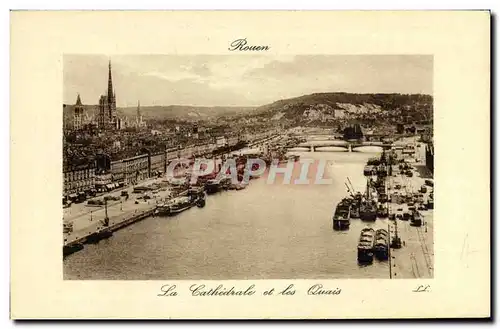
313, 108
324, 107
185, 112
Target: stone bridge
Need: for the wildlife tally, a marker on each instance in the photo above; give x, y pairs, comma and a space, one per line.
318, 145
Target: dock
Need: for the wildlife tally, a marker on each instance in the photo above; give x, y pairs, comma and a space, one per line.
89, 221
415, 258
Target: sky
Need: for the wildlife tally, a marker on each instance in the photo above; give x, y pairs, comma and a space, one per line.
240, 80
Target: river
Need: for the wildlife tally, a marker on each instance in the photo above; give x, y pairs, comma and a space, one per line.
265, 231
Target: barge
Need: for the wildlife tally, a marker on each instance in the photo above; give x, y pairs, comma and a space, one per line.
365, 245
341, 217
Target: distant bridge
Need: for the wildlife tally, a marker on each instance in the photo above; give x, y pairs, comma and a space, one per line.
318, 145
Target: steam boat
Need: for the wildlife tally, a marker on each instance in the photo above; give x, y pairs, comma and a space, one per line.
368, 206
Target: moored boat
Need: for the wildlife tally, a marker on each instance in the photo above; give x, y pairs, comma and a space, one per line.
381, 245
368, 205
99, 235
180, 204
368, 170
382, 170
382, 211
368, 210
341, 217
162, 209
212, 186
354, 211
365, 245
72, 248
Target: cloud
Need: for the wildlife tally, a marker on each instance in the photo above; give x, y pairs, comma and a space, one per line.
240, 79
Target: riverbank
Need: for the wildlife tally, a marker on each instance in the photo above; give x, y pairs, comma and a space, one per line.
415, 259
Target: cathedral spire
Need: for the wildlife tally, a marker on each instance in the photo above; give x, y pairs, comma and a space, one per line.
78, 100
138, 117
110, 84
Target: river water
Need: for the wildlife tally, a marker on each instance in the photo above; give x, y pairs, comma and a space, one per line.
266, 231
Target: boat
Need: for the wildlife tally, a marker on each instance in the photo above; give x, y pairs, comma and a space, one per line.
368, 170
365, 245
381, 245
382, 170
416, 218
99, 235
225, 183
200, 203
368, 206
373, 162
212, 186
341, 217
197, 195
71, 248
180, 204
355, 199
162, 209
354, 211
368, 210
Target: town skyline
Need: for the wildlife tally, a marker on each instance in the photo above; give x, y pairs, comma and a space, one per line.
244, 81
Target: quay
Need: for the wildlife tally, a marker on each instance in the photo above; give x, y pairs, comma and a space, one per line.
88, 221
415, 258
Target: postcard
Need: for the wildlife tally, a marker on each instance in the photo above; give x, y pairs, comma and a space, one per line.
250, 165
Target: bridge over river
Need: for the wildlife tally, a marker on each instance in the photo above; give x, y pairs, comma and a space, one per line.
324, 143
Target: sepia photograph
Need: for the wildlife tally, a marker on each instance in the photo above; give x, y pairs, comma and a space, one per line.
249, 166
197, 165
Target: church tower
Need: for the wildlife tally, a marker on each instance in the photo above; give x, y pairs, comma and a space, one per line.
78, 114
111, 97
138, 118
107, 106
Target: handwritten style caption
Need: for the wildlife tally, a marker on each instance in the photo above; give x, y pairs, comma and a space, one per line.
202, 290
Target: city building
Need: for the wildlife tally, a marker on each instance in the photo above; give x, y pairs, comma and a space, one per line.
107, 118
80, 178
137, 169
103, 182
159, 163
103, 176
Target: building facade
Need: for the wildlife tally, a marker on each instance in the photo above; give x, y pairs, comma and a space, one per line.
159, 162
103, 181
79, 179
137, 169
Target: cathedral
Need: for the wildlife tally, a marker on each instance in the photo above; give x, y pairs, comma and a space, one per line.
107, 118
78, 115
